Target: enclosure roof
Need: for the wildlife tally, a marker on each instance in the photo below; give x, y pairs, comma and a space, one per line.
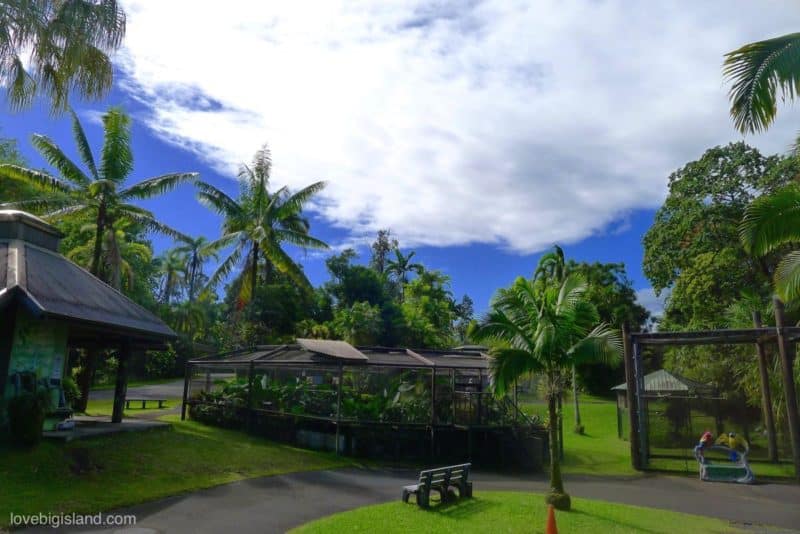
50, 285
715, 337
662, 381
326, 352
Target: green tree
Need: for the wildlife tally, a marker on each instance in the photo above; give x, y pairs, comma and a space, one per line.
172, 268
758, 73
384, 243
360, 324
258, 224
545, 327
53, 47
197, 252
401, 266
429, 311
98, 195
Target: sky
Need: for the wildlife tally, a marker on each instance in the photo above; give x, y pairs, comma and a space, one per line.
480, 133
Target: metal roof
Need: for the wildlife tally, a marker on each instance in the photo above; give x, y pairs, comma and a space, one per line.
662, 381
335, 349
49, 284
375, 356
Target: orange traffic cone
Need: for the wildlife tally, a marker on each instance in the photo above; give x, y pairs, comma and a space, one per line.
551, 527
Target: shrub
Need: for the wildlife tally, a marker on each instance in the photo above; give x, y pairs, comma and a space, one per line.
26, 416
72, 393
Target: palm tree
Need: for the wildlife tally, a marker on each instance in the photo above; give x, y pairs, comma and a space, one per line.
758, 71
771, 223
55, 46
98, 193
545, 327
172, 267
401, 266
258, 223
197, 251
117, 250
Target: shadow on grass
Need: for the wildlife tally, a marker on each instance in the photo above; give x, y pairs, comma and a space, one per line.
460, 509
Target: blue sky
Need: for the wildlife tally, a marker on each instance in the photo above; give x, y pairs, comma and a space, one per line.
481, 133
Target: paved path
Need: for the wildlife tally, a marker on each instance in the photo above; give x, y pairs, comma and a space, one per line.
276, 504
167, 390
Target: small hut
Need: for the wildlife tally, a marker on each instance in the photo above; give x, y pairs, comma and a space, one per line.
49, 305
659, 384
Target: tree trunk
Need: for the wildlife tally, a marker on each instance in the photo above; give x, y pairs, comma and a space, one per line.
557, 497
121, 386
85, 378
254, 272
192, 276
766, 395
787, 353
98, 241
575, 400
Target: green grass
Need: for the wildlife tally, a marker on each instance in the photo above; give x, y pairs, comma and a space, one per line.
106, 406
125, 469
512, 512
598, 451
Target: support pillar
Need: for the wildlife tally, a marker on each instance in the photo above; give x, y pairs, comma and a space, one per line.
121, 388
186, 377
8, 321
766, 395
787, 353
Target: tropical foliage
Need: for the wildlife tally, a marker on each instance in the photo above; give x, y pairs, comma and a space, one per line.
545, 325
55, 47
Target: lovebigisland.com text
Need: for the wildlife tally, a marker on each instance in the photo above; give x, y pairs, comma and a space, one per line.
71, 520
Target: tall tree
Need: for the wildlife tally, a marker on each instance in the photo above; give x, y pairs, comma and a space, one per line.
172, 268
758, 73
99, 194
546, 327
54, 47
384, 243
197, 252
259, 222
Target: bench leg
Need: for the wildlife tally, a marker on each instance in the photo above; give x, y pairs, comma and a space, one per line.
406, 494
423, 498
465, 490
160, 404
143, 404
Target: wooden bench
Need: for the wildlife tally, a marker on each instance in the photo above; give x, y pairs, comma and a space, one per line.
440, 479
144, 402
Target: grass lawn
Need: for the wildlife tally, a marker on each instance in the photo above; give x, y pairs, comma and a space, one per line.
512, 512
123, 469
598, 451
136, 383
106, 406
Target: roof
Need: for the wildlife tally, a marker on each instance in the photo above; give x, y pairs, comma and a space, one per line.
51, 285
662, 381
308, 352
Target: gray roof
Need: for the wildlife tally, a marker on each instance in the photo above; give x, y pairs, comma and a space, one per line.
662, 381
51, 285
328, 352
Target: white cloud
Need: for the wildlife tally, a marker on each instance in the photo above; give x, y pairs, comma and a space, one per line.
515, 123
654, 304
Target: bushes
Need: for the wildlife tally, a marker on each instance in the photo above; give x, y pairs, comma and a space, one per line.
26, 416
72, 393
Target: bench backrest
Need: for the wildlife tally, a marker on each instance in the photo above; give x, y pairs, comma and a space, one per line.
445, 475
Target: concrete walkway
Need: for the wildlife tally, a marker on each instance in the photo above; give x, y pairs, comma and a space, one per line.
167, 390
279, 503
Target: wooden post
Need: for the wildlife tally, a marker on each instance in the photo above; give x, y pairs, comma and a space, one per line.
7, 325
339, 405
433, 396
186, 377
766, 395
250, 381
641, 405
121, 387
787, 351
453, 394
630, 379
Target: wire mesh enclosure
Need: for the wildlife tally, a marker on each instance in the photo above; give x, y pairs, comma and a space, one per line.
681, 385
368, 401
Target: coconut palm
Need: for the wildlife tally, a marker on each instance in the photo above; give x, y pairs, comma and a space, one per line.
401, 266
758, 72
542, 326
56, 46
117, 251
771, 223
99, 192
172, 268
258, 223
197, 251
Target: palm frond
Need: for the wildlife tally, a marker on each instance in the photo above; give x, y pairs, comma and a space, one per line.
300, 239
757, 72
157, 186
35, 178
295, 202
787, 277
771, 221
603, 344
84, 149
56, 157
211, 197
116, 158
507, 365
226, 267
